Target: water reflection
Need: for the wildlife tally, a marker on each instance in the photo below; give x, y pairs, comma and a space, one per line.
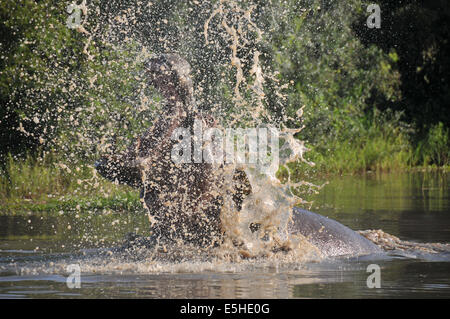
411, 206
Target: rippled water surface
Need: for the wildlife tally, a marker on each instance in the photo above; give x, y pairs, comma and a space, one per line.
36, 249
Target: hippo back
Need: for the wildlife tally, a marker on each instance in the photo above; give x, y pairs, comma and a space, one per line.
329, 236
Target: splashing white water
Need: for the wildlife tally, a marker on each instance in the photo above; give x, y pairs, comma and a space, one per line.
270, 203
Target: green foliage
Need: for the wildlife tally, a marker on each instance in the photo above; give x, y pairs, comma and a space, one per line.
435, 147
47, 184
77, 92
418, 32
381, 147
334, 74
118, 105
39, 56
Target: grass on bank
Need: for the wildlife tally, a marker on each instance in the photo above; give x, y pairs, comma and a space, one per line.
379, 149
48, 185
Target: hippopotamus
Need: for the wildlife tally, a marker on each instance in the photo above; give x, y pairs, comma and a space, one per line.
184, 200
329, 236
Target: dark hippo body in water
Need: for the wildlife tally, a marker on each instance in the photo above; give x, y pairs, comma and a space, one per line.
329, 236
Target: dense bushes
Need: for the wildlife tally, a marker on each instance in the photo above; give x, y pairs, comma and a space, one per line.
370, 101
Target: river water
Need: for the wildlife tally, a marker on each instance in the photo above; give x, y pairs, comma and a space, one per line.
36, 249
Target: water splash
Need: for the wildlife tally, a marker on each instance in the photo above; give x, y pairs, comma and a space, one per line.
270, 203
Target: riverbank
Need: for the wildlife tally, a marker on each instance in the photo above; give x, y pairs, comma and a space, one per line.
51, 187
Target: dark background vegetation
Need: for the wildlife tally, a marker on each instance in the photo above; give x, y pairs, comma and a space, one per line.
375, 99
